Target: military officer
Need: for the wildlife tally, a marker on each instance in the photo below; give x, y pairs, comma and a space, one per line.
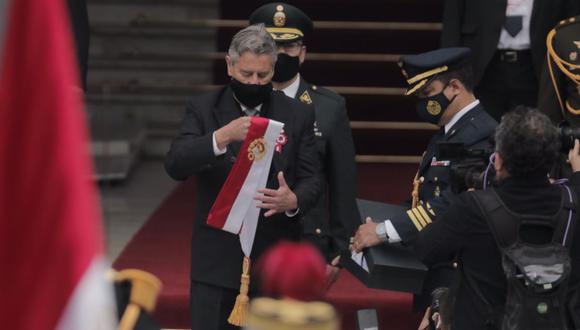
336, 215
562, 91
559, 96
442, 83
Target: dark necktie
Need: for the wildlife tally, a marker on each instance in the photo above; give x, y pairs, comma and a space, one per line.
513, 24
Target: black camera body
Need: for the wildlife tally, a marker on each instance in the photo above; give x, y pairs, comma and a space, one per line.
468, 166
567, 135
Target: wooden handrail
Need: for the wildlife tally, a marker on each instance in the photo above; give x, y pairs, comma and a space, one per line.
347, 90
399, 125
136, 86
392, 159
143, 20
354, 57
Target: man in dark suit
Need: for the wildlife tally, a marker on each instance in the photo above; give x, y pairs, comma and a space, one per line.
442, 82
207, 146
526, 148
335, 217
508, 40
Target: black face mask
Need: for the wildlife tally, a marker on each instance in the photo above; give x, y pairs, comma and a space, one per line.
286, 67
430, 109
251, 95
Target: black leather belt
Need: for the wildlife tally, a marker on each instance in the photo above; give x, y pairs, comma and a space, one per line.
512, 56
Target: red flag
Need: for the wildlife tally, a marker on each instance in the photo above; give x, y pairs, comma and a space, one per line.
50, 235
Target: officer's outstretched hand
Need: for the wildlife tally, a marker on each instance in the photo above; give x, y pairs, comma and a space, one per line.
366, 236
574, 156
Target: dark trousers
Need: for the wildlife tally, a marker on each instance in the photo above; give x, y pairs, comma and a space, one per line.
440, 275
210, 307
509, 80
322, 244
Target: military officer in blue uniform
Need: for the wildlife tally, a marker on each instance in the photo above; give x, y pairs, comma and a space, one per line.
442, 83
336, 216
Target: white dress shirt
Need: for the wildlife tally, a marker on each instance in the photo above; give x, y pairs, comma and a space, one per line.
522, 40
292, 89
460, 114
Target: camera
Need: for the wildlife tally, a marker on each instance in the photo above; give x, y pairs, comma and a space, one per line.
469, 167
567, 135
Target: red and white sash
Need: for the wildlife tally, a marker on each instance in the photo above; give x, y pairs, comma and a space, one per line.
234, 209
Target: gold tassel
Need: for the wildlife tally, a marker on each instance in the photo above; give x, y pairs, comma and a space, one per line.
416, 184
240, 312
415, 192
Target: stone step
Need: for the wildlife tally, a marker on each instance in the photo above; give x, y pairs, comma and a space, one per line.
115, 42
348, 10
133, 13
116, 144
151, 114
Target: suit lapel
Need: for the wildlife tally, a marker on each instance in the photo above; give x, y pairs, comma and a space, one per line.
499, 14
536, 7
461, 123
227, 109
431, 150
275, 109
453, 131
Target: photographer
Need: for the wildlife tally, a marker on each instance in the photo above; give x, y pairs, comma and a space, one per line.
527, 146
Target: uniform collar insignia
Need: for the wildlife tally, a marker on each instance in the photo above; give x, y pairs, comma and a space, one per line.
305, 98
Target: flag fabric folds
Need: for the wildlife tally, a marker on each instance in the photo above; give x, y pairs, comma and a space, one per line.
51, 253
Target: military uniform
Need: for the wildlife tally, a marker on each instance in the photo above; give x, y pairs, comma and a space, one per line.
335, 217
431, 186
559, 96
473, 130
431, 192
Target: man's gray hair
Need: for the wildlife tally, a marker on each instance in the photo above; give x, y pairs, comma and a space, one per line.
254, 39
527, 142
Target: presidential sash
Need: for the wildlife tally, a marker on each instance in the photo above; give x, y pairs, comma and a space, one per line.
235, 209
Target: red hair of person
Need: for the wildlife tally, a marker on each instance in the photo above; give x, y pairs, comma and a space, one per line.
292, 270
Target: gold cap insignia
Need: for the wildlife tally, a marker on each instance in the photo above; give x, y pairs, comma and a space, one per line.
279, 16
434, 108
257, 149
305, 98
577, 43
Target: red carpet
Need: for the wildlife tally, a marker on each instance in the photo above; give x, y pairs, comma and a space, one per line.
161, 247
